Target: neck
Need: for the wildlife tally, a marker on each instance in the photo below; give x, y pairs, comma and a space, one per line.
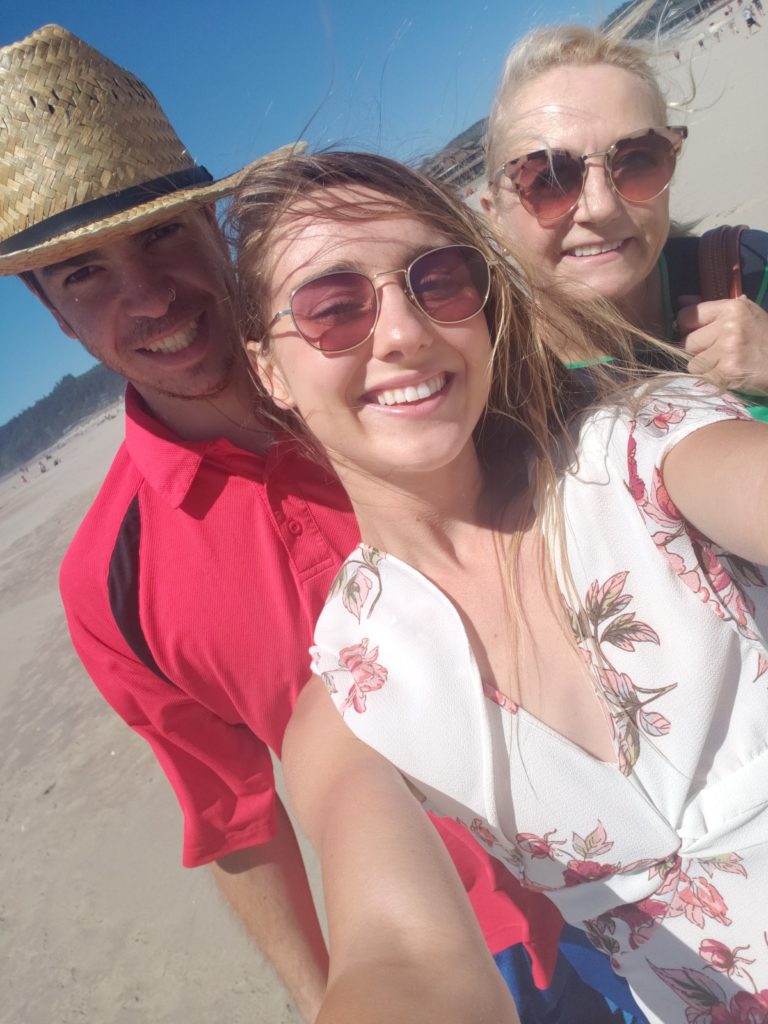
419, 516
644, 307
231, 414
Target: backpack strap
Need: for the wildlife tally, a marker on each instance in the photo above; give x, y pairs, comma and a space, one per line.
720, 262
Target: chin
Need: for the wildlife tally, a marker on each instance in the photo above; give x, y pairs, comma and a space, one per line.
608, 286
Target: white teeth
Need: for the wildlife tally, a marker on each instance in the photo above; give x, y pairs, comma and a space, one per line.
412, 393
177, 341
595, 250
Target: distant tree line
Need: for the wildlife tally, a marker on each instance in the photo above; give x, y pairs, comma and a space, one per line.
72, 399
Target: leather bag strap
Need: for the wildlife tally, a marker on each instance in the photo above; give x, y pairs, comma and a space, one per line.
720, 262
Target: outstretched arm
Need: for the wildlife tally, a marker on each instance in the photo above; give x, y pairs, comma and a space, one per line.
718, 479
267, 887
404, 942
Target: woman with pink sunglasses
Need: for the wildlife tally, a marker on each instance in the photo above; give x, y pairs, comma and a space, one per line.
580, 155
552, 631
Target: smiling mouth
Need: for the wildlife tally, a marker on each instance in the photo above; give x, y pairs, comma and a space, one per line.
175, 342
411, 393
594, 250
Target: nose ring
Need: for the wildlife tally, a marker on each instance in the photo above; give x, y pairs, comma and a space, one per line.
171, 296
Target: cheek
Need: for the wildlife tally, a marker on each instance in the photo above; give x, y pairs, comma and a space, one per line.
657, 223
524, 234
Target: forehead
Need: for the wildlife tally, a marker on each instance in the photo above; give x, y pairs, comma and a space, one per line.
346, 227
580, 108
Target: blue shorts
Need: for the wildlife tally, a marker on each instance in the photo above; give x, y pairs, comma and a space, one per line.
584, 987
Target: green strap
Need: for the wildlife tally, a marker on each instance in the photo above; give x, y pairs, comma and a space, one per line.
763, 287
588, 362
670, 323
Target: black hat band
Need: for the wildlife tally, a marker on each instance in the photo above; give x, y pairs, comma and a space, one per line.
103, 208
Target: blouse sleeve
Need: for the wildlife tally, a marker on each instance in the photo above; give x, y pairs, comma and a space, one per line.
659, 420
344, 653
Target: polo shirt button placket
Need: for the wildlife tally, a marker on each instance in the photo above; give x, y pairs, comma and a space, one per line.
295, 527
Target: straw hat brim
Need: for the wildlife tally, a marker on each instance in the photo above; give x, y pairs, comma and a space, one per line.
138, 218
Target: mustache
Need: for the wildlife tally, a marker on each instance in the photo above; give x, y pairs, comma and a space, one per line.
146, 329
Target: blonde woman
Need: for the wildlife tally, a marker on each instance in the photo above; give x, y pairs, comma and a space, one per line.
553, 630
581, 150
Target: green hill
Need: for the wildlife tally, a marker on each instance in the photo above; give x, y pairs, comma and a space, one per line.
72, 399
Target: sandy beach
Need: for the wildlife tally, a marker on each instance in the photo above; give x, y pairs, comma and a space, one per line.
98, 921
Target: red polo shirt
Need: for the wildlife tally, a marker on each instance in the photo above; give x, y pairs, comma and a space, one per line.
191, 590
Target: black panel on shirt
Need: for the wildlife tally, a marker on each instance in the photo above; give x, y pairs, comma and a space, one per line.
123, 586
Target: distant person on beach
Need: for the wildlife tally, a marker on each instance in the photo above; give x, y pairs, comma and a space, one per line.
580, 155
749, 19
193, 585
553, 628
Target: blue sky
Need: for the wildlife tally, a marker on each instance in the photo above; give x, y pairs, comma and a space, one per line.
399, 77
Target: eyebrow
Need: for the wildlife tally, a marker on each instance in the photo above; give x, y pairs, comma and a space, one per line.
74, 261
353, 267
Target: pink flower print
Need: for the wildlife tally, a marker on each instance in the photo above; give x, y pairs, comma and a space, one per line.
641, 918
698, 900
355, 592
593, 845
702, 995
539, 846
730, 863
503, 701
661, 507
721, 581
662, 415
359, 582
368, 674
603, 601
744, 1008
636, 485
712, 902
482, 832
721, 958
579, 871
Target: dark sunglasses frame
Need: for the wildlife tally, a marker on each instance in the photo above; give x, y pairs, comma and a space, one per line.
675, 135
372, 278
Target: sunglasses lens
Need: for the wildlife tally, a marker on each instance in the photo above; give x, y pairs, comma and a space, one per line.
335, 312
450, 284
642, 168
549, 184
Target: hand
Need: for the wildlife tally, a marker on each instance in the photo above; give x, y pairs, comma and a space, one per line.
728, 342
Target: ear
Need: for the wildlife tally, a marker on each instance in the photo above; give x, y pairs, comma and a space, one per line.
270, 375
488, 205
31, 281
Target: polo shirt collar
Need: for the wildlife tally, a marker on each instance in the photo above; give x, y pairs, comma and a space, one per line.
167, 462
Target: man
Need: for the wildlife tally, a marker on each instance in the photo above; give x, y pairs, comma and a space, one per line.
192, 586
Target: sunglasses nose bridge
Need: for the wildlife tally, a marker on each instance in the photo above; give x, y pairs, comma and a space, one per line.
405, 284
602, 159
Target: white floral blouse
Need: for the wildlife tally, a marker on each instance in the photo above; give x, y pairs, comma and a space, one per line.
662, 856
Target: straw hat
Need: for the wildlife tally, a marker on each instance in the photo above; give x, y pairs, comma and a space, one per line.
86, 153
